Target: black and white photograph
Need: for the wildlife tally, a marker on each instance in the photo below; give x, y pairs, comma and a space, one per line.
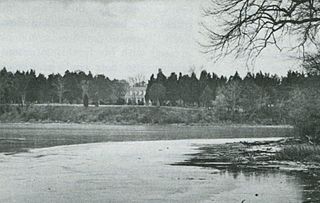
160, 101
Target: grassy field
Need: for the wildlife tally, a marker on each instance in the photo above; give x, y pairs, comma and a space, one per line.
115, 114
21, 136
108, 114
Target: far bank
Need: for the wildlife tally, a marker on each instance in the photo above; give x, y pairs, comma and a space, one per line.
116, 114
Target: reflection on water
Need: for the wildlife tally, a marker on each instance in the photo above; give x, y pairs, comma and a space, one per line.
266, 186
259, 186
18, 137
278, 185
310, 186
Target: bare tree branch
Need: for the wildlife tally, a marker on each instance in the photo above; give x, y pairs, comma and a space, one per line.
137, 80
247, 27
311, 63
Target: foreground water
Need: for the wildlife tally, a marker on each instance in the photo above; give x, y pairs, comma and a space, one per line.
136, 172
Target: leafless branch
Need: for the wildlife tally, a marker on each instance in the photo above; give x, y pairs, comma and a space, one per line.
247, 27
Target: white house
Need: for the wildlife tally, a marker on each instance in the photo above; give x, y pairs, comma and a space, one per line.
136, 95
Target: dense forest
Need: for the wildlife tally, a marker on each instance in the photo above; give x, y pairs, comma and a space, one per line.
72, 87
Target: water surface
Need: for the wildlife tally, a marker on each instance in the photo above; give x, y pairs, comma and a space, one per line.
136, 172
21, 136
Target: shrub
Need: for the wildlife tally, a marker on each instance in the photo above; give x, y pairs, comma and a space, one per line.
304, 113
85, 100
4, 108
302, 152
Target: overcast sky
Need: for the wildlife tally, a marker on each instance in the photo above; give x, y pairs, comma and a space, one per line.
115, 38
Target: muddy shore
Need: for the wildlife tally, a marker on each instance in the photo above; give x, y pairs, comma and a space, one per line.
249, 155
257, 156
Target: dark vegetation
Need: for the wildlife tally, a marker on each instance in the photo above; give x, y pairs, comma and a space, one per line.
72, 88
300, 152
108, 114
85, 101
257, 98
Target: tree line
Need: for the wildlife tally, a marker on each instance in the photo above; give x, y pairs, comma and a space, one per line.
23, 87
259, 97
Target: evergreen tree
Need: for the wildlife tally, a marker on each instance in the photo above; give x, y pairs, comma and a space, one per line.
161, 78
157, 93
172, 89
150, 83
32, 87
195, 89
72, 88
185, 89
85, 100
42, 89
6, 87
204, 81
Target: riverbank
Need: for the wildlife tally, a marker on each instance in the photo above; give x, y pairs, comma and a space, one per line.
258, 155
128, 115
113, 114
289, 155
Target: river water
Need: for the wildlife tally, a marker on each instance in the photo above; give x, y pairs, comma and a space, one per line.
139, 171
